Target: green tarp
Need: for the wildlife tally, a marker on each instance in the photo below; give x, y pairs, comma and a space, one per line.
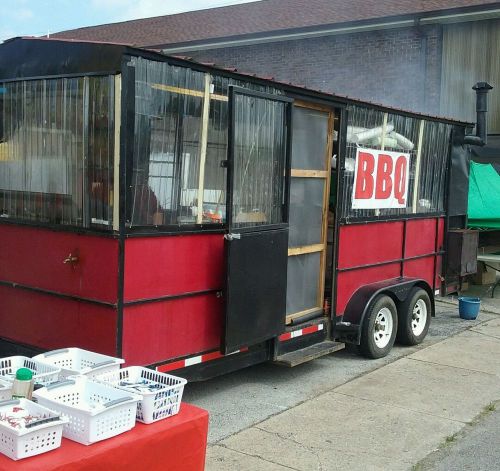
484, 197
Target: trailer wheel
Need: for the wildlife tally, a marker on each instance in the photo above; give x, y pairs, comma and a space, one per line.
379, 328
414, 317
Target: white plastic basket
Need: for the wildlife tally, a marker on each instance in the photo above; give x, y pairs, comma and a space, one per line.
95, 411
42, 372
161, 393
76, 361
28, 429
5, 390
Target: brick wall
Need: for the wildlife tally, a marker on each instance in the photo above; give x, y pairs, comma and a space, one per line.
397, 67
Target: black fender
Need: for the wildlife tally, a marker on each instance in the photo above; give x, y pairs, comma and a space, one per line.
349, 328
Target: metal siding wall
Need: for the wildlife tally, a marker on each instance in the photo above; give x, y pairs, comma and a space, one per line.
173, 265
50, 322
350, 281
471, 53
370, 243
164, 330
34, 257
362, 245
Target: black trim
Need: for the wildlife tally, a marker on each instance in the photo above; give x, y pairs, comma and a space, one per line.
344, 115
256, 354
72, 297
167, 361
403, 248
436, 249
288, 127
61, 76
254, 93
157, 231
395, 217
37, 57
9, 348
318, 314
389, 262
169, 297
303, 341
60, 227
229, 157
127, 123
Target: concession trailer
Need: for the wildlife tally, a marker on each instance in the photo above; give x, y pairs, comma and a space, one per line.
188, 217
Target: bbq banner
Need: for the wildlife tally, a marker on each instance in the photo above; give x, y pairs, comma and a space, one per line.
380, 179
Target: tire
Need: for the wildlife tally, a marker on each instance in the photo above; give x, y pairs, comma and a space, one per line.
375, 342
414, 317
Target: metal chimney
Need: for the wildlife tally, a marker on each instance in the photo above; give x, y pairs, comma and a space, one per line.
482, 89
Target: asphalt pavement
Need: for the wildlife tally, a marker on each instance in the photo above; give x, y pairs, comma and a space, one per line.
475, 448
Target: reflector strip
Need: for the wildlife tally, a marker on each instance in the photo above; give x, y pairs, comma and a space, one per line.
300, 332
177, 365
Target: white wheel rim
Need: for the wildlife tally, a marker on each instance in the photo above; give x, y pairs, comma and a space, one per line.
382, 330
419, 317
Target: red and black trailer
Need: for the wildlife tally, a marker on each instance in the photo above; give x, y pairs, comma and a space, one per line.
192, 218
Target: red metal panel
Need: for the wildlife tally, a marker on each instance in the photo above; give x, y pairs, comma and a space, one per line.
420, 237
421, 268
160, 266
163, 330
34, 257
364, 244
50, 322
350, 281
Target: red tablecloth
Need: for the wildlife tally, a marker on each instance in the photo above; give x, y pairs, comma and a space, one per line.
175, 444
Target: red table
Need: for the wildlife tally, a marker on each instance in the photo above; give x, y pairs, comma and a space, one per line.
175, 444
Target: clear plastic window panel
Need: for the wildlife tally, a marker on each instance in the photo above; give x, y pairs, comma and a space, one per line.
310, 132
303, 282
168, 111
101, 135
306, 211
434, 158
366, 128
165, 182
47, 132
259, 161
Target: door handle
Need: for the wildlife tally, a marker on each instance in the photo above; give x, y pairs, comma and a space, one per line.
71, 259
231, 236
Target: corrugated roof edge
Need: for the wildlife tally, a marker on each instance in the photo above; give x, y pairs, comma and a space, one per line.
234, 71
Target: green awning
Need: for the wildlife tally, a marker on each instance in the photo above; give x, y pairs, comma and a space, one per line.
484, 197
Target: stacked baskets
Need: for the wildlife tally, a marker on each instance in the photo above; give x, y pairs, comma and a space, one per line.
87, 396
161, 393
28, 429
42, 373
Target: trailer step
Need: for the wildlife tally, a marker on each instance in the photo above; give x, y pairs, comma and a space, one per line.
309, 353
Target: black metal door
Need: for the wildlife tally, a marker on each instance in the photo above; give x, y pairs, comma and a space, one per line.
257, 216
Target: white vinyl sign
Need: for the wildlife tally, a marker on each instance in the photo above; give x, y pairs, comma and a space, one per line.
380, 179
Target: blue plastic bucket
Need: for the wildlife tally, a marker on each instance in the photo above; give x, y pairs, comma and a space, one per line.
468, 308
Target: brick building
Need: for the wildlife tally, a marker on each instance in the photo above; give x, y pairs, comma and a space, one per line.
418, 55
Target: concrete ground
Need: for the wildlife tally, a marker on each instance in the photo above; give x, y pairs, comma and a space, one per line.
371, 415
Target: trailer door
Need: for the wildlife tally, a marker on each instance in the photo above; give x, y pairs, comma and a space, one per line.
257, 215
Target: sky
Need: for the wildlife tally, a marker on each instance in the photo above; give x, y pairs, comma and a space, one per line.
40, 17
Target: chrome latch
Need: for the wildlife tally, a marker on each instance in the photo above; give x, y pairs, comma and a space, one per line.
232, 236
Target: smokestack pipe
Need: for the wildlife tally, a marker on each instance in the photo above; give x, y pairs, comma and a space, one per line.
482, 89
